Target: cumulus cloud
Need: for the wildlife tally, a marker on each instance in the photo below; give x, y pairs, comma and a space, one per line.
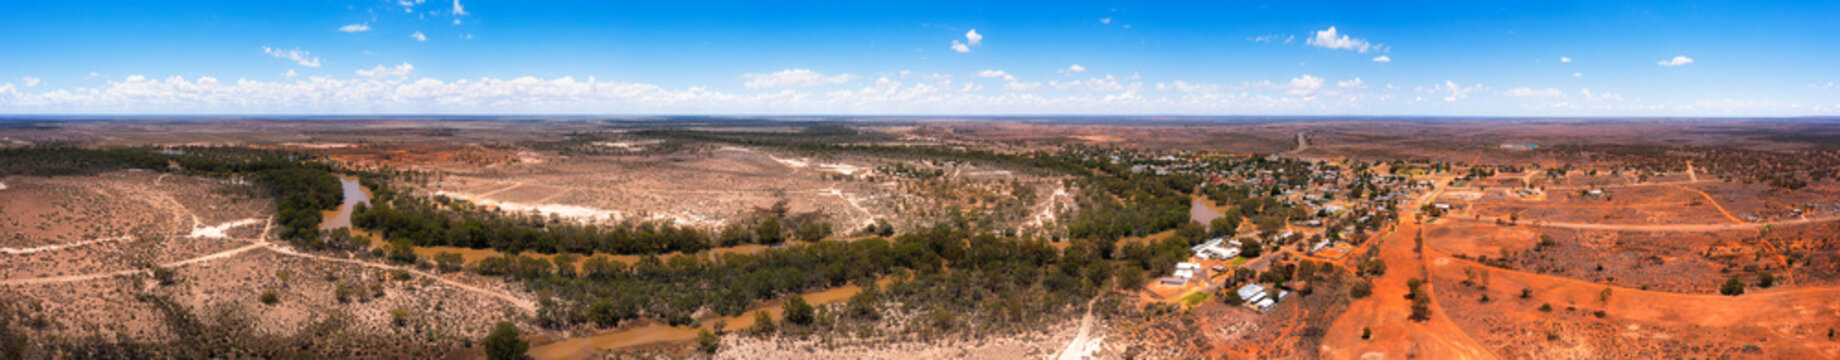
1383, 59
794, 78
418, 36
1305, 85
1353, 84
1072, 70
1526, 92
291, 74
459, 10
1188, 87
30, 81
355, 28
1329, 39
1676, 61
297, 56
1589, 96
398, 71
1454, 92
1577, 74
1563, 59
1106, 20
988, 74
972, 38
1107, 83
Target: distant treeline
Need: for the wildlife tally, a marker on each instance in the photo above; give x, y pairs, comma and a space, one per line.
812, 141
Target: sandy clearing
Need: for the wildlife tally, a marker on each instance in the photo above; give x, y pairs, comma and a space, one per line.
218, 231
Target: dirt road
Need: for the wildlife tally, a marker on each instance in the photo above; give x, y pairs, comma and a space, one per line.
1082, 346
1657, 227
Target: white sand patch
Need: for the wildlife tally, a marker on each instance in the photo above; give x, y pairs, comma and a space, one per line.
2, 186
1047, 213
580, 213
218, 231
628, 145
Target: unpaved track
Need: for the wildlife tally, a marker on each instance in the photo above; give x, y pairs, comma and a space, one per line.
1655, 228
1078, 348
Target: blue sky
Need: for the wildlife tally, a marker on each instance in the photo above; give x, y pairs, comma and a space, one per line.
1546, 58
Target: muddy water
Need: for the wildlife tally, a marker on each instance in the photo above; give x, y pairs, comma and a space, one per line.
354, 194
1202, 210
652, 332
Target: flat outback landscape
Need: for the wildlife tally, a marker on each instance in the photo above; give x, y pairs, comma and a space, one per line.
907, 180
896, 237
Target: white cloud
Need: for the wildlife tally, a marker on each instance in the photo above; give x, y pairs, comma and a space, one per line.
355, 28
1587, 95
418, 36
398, 71
298, 56
1577, 74
1563, 59
1107, 21
291, 74
996, 74
1305, 85
1383, 59
794, 78
1072, 70
1107, 83
1329, 39
1454, 91
1676, 61
1356, 83
459, 10
1532, 93
30, 81
1188, 87
972, 38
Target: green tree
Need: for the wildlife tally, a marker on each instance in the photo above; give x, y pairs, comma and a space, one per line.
1766, 280
503, 343
1226, 225
402, 251
768, 232
270, 297
450, 261
707, 341
603, 314
763, 323
798, 311
565, 264
399, 316
1732, 287
814, 231
1250, 248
